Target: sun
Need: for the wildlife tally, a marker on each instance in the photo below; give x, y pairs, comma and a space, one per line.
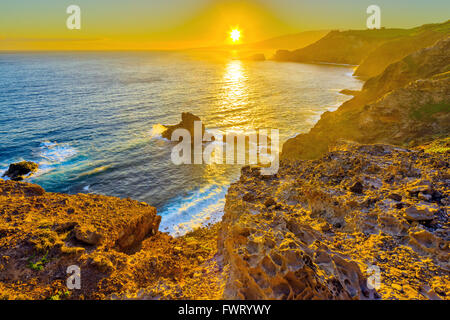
235, 35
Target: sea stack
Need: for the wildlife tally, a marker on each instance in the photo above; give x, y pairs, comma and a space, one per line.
187, 122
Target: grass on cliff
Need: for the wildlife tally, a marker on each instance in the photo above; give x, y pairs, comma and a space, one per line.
438, 146
426, 112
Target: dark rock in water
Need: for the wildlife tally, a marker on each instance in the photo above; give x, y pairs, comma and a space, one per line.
18, 171
282, 55
187, 122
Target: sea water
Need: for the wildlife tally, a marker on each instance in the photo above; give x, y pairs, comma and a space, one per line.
93, 120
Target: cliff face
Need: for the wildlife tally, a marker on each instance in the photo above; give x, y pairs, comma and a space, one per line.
421, 64
289, 42
114, 242
348, 47
372, 50
394, 50
317, 229
408, 102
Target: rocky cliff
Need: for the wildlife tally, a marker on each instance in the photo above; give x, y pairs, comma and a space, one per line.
408, 103
320, 228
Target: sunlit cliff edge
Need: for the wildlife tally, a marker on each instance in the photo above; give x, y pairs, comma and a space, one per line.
367, 186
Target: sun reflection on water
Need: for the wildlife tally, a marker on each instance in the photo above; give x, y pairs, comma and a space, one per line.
234, 95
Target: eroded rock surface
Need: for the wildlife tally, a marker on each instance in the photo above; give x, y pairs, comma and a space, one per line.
319, 228
115, 243
187, 122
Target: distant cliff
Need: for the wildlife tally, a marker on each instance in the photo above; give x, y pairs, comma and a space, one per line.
372, 50
288, 42
409, 101
394, 50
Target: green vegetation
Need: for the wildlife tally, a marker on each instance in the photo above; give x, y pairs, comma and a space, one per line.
59, 295
38, 265
438, 146
426, 112
444, 27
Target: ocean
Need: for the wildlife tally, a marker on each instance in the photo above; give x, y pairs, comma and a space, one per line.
91, 120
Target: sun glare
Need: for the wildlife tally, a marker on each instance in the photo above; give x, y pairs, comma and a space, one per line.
235, 35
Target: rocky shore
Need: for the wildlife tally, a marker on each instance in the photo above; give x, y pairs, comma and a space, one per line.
313, 231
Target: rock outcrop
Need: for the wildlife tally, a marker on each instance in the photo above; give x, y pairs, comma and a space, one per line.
421, 64
395, 50
115, 243
319, 228
21, 170
347, 47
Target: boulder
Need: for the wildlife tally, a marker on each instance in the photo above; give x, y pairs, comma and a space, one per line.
17, 171
421, 212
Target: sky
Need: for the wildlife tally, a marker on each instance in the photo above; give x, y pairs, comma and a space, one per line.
177, 24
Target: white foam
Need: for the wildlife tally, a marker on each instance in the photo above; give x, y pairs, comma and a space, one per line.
51, 154
202, 207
